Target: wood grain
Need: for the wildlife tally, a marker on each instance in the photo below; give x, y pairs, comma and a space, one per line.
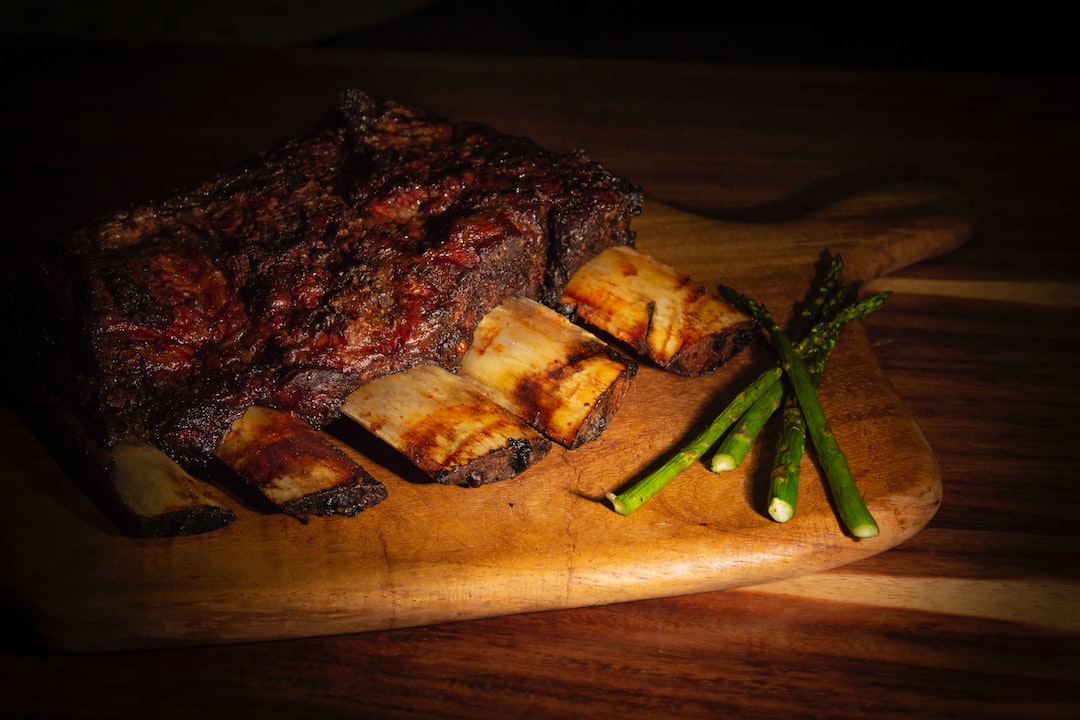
990, 382
545, 539
1049, 604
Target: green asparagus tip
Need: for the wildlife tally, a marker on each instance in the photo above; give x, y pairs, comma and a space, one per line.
780, 510
722, 462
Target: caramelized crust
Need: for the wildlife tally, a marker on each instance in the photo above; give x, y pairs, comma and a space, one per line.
373, 243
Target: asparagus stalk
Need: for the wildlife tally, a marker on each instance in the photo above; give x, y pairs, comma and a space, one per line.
814, 349
784, 479
828, 299
823, 303
849, 503
815, 346
735, 446
791, 442
630, 500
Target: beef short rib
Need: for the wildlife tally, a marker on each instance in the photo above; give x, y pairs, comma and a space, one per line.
371, 243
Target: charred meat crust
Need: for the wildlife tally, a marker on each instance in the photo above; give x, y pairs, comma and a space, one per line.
367, 245
193, 521
299, 469
347, 499
713, 351
516, 456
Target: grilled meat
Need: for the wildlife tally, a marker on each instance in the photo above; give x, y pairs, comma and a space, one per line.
370, 244
296, 467
681, 325
560, 378
445, 426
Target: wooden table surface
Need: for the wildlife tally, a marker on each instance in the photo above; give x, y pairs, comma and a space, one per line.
976, 616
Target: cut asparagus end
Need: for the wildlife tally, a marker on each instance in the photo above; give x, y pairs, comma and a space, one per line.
781, 510
858, 519
675, 322
722, 462
555, 375
446, 426
865, 530
301, 470
619, 506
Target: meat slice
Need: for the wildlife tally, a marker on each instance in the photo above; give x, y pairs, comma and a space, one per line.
372, 243
302, 471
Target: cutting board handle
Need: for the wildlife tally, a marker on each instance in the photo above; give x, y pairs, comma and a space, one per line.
880, 230
877, 230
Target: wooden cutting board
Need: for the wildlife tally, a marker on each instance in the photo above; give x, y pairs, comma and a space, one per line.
543, 540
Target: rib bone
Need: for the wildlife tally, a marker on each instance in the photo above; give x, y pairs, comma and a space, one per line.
557, 376
142, 488
664, 316
445, 426
159, 498
301, 470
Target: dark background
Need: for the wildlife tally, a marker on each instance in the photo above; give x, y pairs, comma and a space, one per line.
1020, 38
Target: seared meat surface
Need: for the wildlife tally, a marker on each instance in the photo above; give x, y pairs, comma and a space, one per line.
369, 244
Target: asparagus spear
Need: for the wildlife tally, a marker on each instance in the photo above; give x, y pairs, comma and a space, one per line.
814, 349
816, 346
791, 442
735, 446
784, 479
630, 500
825, 315
823, 303
849, 503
